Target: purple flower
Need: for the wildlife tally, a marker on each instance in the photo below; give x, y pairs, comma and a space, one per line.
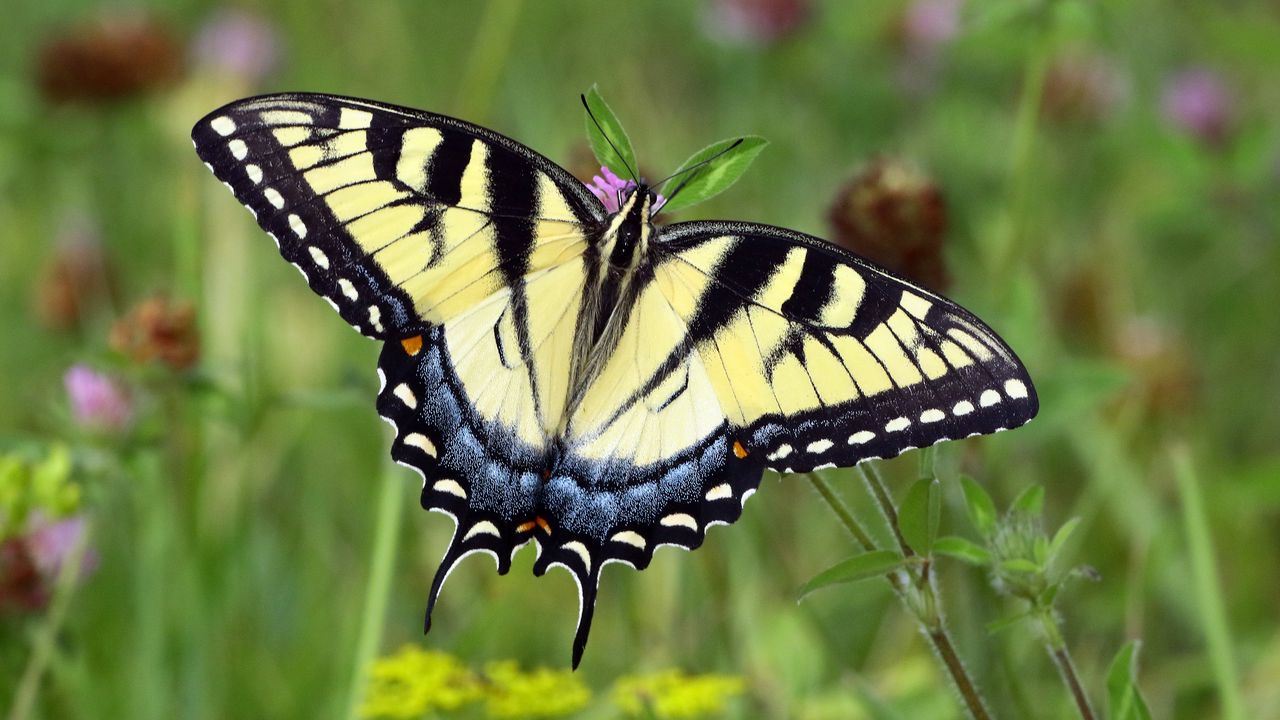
237, 42
97, 401
609, 188
51, 542
922, 32
929, 25
1197, 102
756, 21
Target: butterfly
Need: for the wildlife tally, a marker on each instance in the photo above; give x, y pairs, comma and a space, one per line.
591, 381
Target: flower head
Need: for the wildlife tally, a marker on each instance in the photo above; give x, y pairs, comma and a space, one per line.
52, 542
760, 22
1198, 103
414, 682
41, 527
30, 565
539, 693
76, 279
673, 694
20, 582
609, 189
111, 58
97, 401
1082, 88
236, 42
921, 34
159, 329
894, 214
927, 26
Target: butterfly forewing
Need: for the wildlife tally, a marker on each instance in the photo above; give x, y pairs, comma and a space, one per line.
399, 218
821, 359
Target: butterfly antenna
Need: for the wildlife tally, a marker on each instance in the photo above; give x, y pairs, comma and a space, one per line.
693, 170
634, 178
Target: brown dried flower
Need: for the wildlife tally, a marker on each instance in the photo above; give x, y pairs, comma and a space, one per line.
1081, 88
75, 279
111, 58
1166, 377
892, 213
20, 583
159, 329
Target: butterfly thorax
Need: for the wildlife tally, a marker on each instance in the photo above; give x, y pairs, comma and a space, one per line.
626, 238
620, 249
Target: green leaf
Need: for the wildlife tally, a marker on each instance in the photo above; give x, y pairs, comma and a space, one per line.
859, 567
1124, 699
1049, 596
982, 511
1005, 623
624, 157
1019, 565
918, 515
1029, 501
1060, 538
715, 177
962, 549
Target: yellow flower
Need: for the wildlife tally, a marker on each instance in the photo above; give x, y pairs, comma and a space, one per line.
539, 693
414, 681
673, 694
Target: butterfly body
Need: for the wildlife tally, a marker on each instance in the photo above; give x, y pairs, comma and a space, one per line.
593, 382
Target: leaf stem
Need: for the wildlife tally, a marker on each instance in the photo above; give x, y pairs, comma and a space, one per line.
881, 493
931, 622
390, 500
841, 510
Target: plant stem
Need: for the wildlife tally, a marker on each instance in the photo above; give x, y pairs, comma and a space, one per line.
46, 639
959, 675
1057, 649
1066, 668
390, 500
841, 510
881, 493
1207, 588
933, 627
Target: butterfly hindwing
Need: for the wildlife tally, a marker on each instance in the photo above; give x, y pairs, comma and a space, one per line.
398, 217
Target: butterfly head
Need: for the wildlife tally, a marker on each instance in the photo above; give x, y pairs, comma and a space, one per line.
627, 237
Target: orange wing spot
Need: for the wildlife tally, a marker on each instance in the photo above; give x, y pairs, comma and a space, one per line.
542, 523
738, 450
412, 345
526, 527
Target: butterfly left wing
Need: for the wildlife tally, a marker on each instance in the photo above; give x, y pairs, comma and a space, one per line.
751, 347
400, 218
459, 247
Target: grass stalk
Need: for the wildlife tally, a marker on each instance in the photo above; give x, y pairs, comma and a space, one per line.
1206, 585
381, 560
488, 57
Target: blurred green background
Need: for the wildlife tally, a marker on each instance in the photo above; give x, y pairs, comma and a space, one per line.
190, 516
